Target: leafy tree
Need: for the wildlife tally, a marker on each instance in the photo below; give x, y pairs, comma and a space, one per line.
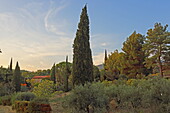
157, 46
61, 70
53, 74
82, 58
114, 65
134, 55
17, 78
44, 89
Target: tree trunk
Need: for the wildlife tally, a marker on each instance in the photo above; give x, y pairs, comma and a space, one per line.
160, 67
159, 62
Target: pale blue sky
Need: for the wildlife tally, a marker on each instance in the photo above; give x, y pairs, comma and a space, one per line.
38, 33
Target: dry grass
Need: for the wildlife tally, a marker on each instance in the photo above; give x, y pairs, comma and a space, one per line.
6, 109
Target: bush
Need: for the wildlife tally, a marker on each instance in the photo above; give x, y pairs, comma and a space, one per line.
0, 100
39, 105
21, 106
132, 96
87, 98
44, 89
25, 96
6, 100
137, 95
157, 94
6, 88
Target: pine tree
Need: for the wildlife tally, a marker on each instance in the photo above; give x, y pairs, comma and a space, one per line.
52, 74
157, 46
82, 58
134, 55
17, 78
66, 75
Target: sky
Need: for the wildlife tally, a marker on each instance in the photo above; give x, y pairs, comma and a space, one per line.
38, 33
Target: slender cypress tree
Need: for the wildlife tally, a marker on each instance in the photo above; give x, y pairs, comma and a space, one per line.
10, 66
105, 59
17, 78
82, 58
66, 75
53, 77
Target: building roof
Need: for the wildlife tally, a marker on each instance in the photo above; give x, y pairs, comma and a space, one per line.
41, 77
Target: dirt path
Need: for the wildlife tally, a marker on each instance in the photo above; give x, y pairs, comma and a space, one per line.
6, 109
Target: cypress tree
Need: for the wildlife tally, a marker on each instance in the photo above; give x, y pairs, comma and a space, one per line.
105, 59
66, 75
17, 78
10, 66
52, 74
82, 58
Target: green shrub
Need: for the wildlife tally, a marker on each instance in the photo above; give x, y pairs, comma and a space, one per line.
39, 104
87, 98
44, 89
6, 88
25, 96
157, 94
6, 100
21, 106
0, 100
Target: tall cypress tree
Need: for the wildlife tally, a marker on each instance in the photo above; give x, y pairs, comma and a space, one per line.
105, 59
10, 66
53, 77
82, 58
66, 75
17, 78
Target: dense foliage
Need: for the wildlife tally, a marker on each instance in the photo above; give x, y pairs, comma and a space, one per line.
44, 89
87, 98
141, 55
151, 96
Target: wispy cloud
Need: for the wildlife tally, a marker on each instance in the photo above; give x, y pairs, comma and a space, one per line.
50, 26
24, 36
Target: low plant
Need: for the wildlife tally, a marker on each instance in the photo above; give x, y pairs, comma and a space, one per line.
87, 98
39, 104
6, 100
25, 96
